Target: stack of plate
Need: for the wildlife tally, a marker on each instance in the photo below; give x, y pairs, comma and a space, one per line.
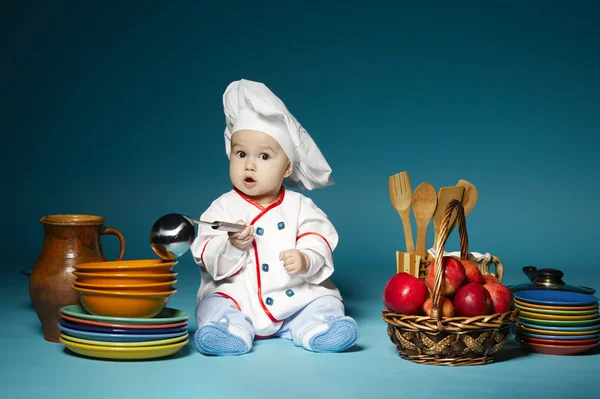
121, 337
557, 322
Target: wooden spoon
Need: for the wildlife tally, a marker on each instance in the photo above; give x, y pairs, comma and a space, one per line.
424, 202
470, 197
445, 195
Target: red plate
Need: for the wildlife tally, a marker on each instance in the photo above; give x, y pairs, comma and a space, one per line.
102, 324
560, 342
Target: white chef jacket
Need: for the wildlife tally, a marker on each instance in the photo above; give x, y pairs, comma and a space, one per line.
256, 280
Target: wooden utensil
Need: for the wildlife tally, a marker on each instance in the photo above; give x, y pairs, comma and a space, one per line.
445, 195
401, 196
408, 263
424, 202
470, 196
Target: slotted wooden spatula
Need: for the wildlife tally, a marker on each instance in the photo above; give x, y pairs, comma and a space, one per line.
424, 202
401, 196
445, 195
470, 196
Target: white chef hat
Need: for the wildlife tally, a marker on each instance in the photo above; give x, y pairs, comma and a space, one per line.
252, 106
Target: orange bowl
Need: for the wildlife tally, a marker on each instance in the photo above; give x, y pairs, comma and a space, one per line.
123, 304
144, 288
142, 266
122, 278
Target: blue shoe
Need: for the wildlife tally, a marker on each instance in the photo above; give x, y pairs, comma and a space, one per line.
222, 339
341, 335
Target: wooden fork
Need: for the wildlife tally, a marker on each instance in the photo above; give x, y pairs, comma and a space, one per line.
401, 197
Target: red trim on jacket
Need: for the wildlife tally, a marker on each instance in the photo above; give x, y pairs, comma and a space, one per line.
237, 305
314, 233
202, 253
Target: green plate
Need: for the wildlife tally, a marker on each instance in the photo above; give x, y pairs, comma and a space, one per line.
558, 312
560, 323
168, 315
157, 342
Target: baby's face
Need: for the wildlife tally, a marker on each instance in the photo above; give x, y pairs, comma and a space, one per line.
257, 165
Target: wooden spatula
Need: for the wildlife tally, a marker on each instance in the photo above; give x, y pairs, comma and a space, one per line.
401, 196
445, 195
424, 203
470, 197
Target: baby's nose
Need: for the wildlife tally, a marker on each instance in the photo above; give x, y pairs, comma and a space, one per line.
249, 165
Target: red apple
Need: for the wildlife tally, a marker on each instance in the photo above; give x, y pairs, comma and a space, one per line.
490, 279
447, 307
501, 297
472, 300
405, 294
453, 278
472, 272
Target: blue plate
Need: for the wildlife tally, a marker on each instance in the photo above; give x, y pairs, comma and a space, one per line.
558, 298
559, 337
113, 330
117, 337
549, 328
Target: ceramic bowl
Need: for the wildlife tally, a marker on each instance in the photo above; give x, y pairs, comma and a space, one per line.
123, 304
122, 277
147, 288
142, 266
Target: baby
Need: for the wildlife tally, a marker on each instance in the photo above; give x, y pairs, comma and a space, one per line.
271, 279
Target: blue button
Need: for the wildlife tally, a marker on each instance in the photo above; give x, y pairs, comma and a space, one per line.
265, 267
281, 225
259, 231
269, 301
289, 293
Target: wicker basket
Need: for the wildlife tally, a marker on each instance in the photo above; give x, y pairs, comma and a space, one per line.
449, 341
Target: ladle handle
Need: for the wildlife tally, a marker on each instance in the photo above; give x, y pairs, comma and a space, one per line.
223, 226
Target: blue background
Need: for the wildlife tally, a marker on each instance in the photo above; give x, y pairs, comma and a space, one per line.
117, 111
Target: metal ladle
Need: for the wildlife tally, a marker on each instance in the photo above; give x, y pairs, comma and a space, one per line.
172, 235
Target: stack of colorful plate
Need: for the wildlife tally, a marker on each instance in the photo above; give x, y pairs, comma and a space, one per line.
121, 337
557, 322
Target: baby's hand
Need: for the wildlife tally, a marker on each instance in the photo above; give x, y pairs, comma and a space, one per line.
294, 261
242, 240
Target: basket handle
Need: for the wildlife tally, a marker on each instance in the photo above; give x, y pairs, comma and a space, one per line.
442, 238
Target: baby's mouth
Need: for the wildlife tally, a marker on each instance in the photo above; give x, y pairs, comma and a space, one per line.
249, 180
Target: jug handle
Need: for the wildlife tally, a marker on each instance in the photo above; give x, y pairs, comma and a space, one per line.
110, 230
499, 267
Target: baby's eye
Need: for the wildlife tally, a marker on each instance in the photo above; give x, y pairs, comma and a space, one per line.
264, 156
241, 154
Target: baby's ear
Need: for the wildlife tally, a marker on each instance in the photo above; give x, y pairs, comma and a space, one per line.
288, 170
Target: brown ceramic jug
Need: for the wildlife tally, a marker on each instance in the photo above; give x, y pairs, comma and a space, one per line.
68, 240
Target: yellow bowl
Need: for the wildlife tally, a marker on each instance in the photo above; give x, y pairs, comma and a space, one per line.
142, 266
154, 287
117, 278
123, 304
113, 352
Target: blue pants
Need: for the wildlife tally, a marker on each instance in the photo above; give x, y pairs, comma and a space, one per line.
312, 320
